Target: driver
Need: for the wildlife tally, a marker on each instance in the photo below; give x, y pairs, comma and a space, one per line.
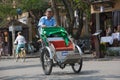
48, 20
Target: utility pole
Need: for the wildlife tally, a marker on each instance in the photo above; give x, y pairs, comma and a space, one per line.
13, 39
13, 31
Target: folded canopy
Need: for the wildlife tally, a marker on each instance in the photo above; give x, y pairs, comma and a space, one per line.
55, 31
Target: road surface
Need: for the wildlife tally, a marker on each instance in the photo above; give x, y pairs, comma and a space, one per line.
32, 70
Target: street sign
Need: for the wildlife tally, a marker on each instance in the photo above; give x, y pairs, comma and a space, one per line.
11, 28
16, 28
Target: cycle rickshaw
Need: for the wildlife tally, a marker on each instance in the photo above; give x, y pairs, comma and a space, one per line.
59, 49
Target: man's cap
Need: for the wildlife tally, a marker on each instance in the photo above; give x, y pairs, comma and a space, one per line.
49, 9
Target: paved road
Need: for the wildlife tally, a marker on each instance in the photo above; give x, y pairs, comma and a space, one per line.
31, 70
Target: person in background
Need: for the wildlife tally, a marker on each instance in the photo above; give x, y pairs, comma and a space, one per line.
20, 41
115, 30
116, 36
118, 28
1, 46
108, 31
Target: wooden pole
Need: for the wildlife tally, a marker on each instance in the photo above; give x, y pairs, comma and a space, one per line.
13, 39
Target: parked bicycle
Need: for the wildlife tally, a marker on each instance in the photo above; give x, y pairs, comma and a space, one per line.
84, 44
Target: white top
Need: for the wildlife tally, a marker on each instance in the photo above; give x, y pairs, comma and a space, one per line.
20, 40
108, 39
116, 36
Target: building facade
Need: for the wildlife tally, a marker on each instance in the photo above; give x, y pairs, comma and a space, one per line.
104, 14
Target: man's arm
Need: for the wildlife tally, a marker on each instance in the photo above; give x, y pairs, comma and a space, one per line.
16, 40
54, 23
41, 22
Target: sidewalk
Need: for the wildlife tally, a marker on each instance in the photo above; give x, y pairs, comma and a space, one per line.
86, 57
31, 55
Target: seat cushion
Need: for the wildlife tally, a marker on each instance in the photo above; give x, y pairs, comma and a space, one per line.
61, 46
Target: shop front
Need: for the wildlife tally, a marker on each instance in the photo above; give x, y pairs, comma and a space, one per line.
8, 35
105, 17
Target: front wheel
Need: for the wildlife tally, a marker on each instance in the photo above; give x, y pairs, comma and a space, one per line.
46, 62
77, 66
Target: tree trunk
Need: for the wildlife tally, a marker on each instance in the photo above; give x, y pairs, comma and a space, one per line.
56, 11
80, 26
70, 15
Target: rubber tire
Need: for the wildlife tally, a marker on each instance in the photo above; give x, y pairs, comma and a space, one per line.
47, 72
80, 67
24, 55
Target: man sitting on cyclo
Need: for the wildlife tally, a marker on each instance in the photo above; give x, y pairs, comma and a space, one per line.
47, 21
20, 41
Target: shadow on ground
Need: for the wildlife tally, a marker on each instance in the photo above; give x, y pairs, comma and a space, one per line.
63, 76
18, 67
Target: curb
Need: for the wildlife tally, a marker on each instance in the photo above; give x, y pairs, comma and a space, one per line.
107, 58
12, 57
85, 58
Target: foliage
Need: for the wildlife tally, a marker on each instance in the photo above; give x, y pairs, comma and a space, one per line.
84, 6
34, 4
6, 8
113, 51
83, 9
103, 47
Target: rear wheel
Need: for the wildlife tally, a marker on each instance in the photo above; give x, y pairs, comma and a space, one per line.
46, 62
23, 55
77, 66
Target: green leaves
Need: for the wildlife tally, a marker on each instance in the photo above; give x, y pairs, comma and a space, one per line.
6, 10
33, 4
6, 6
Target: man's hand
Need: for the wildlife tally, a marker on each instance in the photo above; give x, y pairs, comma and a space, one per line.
15, 43
43, 25
40, 40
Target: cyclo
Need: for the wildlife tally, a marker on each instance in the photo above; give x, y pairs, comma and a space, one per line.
59, 49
